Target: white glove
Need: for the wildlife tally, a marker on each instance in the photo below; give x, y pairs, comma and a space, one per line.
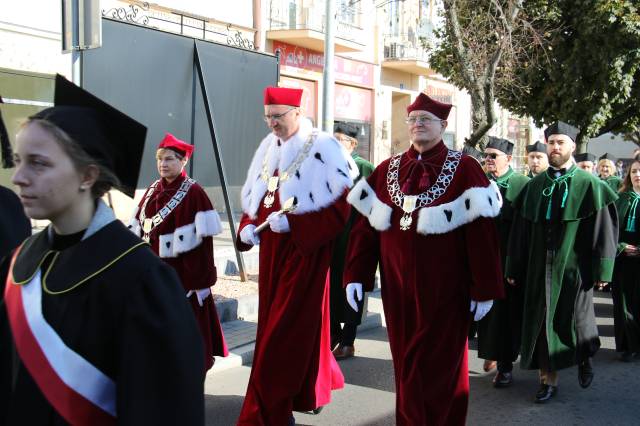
354, 290
278, 222
201, 294
248, 235
481, 308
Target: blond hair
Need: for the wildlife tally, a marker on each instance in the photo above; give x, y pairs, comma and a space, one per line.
607, 161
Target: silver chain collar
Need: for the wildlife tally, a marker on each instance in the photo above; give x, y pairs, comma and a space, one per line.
149, 224
434, 192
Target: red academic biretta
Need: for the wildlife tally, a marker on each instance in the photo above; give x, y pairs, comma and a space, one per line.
175, 144
282, 96
425, 103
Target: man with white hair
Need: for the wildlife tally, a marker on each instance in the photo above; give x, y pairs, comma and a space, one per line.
427, 219
296, 185
499, 331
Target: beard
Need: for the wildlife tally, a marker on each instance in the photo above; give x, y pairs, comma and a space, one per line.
557, 160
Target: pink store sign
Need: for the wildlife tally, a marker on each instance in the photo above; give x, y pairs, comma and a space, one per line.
346, 70
352, 103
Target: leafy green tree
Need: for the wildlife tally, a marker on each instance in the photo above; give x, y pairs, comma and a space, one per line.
571, 60
591, 73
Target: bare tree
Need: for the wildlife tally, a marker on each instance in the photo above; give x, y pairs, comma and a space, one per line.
481, 42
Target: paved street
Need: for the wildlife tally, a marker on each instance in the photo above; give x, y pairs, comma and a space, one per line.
368, 398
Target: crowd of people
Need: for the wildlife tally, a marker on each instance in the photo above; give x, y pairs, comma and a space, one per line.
102, 323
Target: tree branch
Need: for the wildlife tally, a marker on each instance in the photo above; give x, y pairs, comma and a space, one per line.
459, 50
616, 122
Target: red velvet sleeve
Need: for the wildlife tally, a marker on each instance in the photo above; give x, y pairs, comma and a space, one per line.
363, 254
483, 257
244, 221
310, 231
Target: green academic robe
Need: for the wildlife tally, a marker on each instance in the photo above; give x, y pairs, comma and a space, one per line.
614, 182
499, 330
563, 239
340, 309
626, 281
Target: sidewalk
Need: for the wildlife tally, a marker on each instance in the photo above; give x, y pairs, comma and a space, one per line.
239, 315
241, 333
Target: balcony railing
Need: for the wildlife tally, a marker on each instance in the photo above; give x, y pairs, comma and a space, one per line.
400, 48
296, 15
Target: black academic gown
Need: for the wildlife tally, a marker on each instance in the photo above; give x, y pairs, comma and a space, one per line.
499, 330
626, 281
131, 321
341, 311
14, 225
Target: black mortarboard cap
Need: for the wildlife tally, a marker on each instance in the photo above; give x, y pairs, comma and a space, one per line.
607, 156
500, 144
537, 147
112, 138
561, 128
5, 144
346, 129
585, 156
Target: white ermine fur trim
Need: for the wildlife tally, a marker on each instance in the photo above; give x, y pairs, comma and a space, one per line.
188, 237
208, 224
182, 240
364, 199
134, 224
322, 177
470, 205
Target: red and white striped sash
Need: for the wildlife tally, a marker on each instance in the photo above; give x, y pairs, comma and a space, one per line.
76, 389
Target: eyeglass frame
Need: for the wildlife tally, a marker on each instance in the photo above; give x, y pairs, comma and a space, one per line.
268, 118
421, 119
492, 155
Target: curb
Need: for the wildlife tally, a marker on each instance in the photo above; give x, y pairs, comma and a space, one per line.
243, 355
242, 308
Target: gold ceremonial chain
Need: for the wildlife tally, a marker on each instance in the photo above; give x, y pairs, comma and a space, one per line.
409, 203
273, 182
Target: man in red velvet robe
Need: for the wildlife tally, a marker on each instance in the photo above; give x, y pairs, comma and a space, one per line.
427, 221
176, 217
293, 368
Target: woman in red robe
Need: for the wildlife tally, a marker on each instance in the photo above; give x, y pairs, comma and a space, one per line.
177, 219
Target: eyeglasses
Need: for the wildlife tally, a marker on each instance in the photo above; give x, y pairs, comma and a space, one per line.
421, 119
277, 117
492, 155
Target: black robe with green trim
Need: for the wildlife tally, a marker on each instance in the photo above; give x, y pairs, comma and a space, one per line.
340, 309
614, 182
581, 239
626, 281
130, 319
499, 330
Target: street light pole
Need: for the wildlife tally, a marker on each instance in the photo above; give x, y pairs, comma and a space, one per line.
328, 78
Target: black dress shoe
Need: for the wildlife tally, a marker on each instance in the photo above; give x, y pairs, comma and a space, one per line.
545, 393
317, 410
585, 374
502, 380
